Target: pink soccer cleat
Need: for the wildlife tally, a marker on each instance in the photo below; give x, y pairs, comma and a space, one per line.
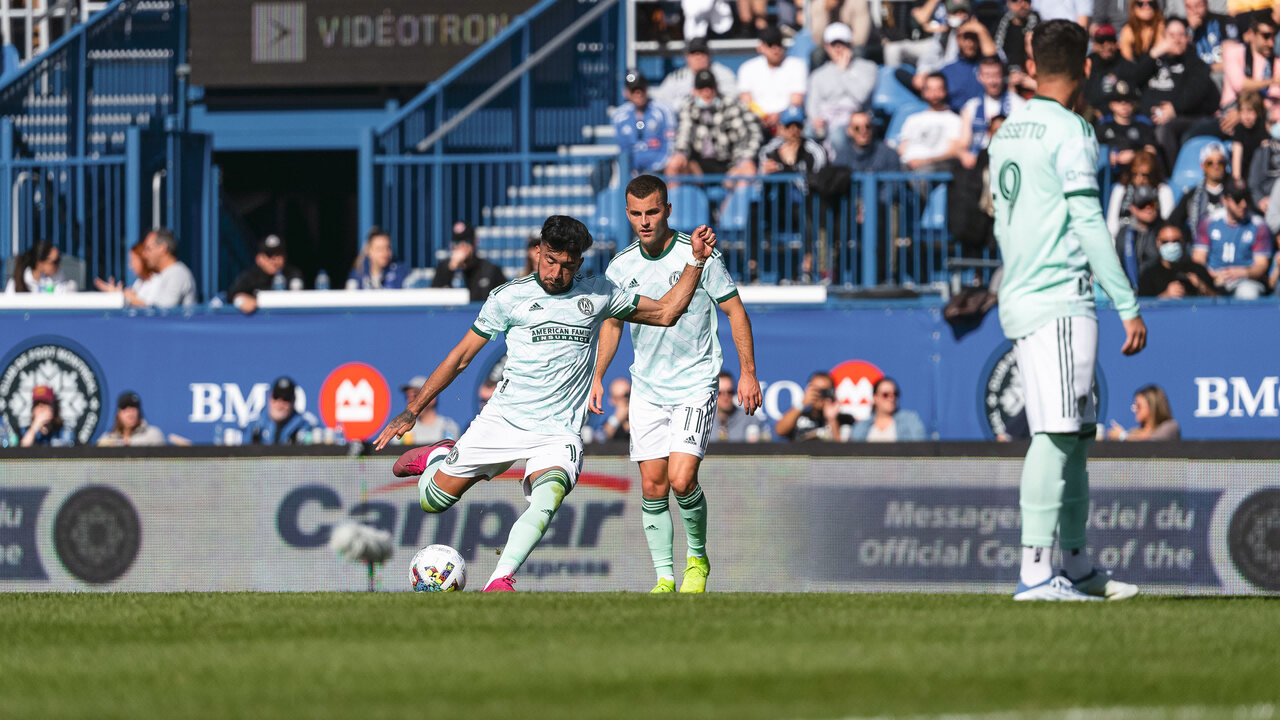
502, 584
415, 461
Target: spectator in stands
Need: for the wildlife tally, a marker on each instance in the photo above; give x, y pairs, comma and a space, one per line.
270, 261
465, 268
1252, 64
996, 100
888, 422
47, 428
1142, 30
374, 268
1151, 412
1124, 135
1113, 13
931, 139
1209, 30
1249, 133
1176, 275
838, 89
732, 424
853, 14
962, 73
172, 283
1178, 93
1106, 67
970, 214
704, 17
531, 254
644, 129
927, 19
1144, 170
677, 86
1136, 241
1206, 197
1077, 10
129, 429
141, 273
39, 269
280, 423
866, 153
1264, 168
817, 417
754, 14
1235, 244
431, 426
771, 82
785, 205
717, 134
618, 425
1018, 20
965, 37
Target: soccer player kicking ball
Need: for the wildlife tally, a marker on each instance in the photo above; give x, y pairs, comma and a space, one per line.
551, 319
674, 378
1051, 232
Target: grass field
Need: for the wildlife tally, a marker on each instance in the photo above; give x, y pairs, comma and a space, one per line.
545, 655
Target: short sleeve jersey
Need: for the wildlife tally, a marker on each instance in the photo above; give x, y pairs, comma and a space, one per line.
673, 365
551, 349
1232, 245
1043, 155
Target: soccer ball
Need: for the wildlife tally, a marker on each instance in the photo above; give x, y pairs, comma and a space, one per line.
437, 568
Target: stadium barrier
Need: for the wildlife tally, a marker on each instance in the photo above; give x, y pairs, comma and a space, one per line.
922, 517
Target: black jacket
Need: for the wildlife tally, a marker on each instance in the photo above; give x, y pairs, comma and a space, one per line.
1184, 81
1102, 78
255, 278
481, 277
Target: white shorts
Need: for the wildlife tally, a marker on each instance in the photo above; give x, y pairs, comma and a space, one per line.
1057, 364
491, 445
659, 430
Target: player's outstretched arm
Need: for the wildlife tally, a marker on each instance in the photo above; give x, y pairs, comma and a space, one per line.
453, 364
610, 335
749, 396
1088, 225
665, 311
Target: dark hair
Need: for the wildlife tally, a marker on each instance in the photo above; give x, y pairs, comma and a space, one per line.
642, 186
1059, 47
55, 425
1258, 19
820, 373
938, 76
1177, 19
992, 60
37, 253
1162, 225
726, 374
165, 237
562, 233
374, 232
886, 379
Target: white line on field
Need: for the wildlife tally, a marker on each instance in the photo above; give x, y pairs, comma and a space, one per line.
1182, 712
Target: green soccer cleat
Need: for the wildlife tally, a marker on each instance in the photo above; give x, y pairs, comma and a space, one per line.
695, 575
664, 586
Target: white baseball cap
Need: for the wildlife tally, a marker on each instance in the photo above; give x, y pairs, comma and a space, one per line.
837, 32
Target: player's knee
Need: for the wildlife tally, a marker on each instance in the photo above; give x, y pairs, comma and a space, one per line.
556, 480
683, 485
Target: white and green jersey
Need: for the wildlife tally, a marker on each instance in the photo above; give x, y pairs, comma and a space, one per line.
674, 364
1044, 159
551, 348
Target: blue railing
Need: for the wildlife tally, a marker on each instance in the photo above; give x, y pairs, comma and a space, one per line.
453, 152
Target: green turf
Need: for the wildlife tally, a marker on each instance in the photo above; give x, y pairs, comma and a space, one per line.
547, 655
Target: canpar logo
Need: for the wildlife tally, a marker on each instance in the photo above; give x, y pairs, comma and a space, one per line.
854, 381
355, 396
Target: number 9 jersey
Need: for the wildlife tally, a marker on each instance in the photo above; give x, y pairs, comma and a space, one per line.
1043, 156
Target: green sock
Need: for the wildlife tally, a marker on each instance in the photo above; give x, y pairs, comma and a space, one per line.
693, 510
656, 518
548, 492
430, 496
1075, 494
1043, 478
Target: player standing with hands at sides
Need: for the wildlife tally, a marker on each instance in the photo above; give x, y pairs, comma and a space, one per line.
1051, 232
552, 320
674, 380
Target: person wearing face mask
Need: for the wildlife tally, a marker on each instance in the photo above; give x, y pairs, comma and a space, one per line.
1176, 275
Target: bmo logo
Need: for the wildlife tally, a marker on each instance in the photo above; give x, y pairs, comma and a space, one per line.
356, 397
1236, 397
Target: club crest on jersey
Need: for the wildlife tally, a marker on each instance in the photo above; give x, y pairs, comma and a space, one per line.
675, 277
585, 306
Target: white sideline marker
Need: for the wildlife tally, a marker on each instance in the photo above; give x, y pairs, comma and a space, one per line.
1265, 711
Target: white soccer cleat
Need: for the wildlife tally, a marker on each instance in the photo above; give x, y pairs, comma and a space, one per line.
1099, 583
1057, 588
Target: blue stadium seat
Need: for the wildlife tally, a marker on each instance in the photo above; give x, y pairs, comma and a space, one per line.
610, 218
935, 212
735, 215
900, 116
11, 61
1186, 169
890, 93
689, 207
801, 47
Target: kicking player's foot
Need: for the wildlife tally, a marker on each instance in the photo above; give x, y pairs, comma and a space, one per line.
1057, 588
505, 583
1099, 583
415, 461
695, 575
665, 585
